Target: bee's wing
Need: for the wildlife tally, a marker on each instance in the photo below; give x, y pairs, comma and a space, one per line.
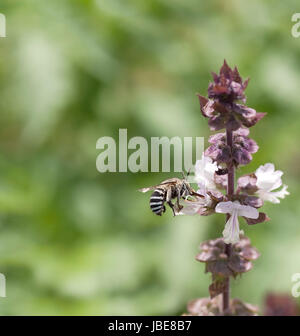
143, 190
169, 181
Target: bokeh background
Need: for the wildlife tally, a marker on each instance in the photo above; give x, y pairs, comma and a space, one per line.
74, 241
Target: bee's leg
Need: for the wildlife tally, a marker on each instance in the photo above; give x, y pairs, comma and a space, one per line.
168, 199
179, 207
172, 207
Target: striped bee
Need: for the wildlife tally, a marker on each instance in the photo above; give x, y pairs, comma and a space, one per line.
166, 191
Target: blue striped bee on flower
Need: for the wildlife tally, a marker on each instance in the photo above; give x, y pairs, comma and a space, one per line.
168, 190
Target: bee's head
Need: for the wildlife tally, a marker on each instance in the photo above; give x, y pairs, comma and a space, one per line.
188, 190
185, 176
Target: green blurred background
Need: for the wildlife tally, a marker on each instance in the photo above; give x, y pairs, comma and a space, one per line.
74, 241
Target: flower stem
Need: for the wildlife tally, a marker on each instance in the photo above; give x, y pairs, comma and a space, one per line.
230, 167
226, 291
230, 193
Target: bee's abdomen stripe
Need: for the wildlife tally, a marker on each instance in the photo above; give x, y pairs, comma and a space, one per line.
158, 212
157, 208
157, 201
155, 204
158, 193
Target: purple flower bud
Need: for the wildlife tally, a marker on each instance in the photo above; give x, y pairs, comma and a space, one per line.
219, 264
252, 201
221, 181
261, 218
228, 86
241, 151
216, 138
222, 108
220, 153
240, 155
247, 183
212, 306
247, 116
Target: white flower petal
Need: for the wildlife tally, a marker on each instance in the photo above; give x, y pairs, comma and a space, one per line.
268, 182
266, 168
248, 211
204, 172
268, 178
225, 207
273, 196
189, 209
267, 196
196, 205
282, 193
231, 231
277, 183
201, 185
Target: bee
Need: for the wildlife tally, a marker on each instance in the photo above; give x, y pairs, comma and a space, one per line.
168, 190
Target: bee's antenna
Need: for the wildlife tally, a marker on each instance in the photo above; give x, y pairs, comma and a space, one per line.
183, 175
